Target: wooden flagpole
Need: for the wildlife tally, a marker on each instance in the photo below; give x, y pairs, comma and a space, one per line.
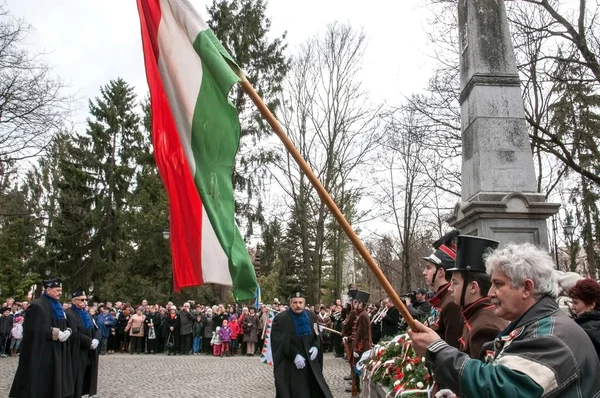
289, 145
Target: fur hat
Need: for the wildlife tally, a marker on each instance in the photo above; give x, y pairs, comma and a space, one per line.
566, 280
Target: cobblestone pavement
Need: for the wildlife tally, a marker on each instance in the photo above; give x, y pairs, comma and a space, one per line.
150, 376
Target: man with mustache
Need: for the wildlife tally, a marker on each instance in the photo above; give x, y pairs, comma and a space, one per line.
470, 286
541, 353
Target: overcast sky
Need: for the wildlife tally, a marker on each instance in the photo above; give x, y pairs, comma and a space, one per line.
90, 42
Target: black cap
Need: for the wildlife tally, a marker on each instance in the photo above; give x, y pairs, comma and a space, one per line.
78, 292
362, 296
421, 291
471, 249
298, 295
52, 283
444, 254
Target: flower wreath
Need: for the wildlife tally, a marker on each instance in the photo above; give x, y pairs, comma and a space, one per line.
395, 364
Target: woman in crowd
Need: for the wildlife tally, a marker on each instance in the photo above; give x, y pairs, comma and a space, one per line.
171, 331
250, 327
121, 335
585, 296
135, 327
207, 331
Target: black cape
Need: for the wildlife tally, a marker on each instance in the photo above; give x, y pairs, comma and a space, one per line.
44, 369
291, 382
84, 361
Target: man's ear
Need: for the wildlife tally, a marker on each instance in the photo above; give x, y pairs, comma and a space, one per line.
474, 287
528, 288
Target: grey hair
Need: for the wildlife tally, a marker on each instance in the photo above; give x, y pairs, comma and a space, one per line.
525, 261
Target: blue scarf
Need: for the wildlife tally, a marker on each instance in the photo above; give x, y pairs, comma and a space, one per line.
57, 309
85, 317
302, 323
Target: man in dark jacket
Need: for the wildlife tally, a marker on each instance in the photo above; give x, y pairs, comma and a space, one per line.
542, 353
45, 369
84, 346
295, 345
187, 320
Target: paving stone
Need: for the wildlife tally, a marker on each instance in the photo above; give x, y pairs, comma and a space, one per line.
193, 376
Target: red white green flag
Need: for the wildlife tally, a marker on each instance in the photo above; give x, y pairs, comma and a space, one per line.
195, 133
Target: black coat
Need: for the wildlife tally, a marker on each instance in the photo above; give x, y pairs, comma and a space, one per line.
84, 361
590, 323
44, 369
389, 323
291, 382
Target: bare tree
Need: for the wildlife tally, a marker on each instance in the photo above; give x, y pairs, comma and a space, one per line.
333, 123
32, 105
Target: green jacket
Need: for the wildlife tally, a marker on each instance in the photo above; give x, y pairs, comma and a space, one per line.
543, 354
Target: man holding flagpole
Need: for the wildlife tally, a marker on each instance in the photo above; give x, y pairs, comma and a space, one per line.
295, 345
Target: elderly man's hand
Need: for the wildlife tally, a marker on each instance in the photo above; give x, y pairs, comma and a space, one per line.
421, 337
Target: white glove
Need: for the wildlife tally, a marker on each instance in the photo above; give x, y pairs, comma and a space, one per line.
95, 343
356, 355
445, 394
299, 361
345, 339
64, 336
313, 353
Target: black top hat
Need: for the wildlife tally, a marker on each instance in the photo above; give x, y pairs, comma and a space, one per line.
362, 296
52, 283
444, 253
471, 250
352, 293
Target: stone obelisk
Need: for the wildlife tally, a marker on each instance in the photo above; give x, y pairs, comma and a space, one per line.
499, 193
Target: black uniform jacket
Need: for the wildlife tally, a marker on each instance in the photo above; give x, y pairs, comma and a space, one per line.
44, 369
286, 344
84, 361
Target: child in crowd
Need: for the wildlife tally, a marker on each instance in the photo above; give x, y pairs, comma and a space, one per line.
216, 342
225, 335
235, 332
17, 336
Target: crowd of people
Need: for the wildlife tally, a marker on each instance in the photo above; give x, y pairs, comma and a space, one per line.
508, 308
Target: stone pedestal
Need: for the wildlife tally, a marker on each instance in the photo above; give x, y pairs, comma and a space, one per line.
499, 193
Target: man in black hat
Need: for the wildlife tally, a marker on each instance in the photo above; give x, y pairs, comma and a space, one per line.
84, 346
295, 345
45, 362
361, 335
445, 316
470, 286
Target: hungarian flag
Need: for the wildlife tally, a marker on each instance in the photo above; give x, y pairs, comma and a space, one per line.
195, 132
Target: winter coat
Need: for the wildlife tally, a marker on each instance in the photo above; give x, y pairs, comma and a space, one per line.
250, 328
5, 324
187, 322
542, 353
121, 323
208, 326
136, 321
197, 328
590, 323
235, 329
225, 334
105, 323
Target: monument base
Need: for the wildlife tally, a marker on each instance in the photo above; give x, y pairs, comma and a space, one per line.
505, 217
